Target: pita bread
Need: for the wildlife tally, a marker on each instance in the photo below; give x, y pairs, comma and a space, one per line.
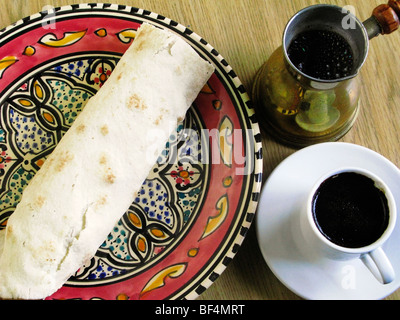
91, 178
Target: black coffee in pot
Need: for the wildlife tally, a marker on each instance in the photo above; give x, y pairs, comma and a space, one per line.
350, 211
321, 54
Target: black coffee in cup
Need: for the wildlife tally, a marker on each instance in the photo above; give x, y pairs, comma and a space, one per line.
350, 211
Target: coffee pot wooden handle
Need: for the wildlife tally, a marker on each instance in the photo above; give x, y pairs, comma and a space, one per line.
388, 16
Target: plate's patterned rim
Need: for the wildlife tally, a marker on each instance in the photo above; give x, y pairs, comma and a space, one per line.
227, 251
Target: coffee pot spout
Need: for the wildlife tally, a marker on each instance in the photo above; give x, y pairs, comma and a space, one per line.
385, 19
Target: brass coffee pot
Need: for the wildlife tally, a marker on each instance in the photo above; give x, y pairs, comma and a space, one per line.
300, 109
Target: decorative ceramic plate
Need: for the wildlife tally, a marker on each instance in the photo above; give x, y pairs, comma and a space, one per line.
281, 239
192, 214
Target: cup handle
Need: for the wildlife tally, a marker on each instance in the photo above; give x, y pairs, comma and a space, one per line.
383, 264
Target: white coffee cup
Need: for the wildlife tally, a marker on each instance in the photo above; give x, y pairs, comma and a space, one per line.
320, 243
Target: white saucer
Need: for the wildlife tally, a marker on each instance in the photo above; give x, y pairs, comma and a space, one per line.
278, 232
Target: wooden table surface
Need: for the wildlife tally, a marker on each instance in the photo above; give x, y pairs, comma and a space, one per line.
246, 32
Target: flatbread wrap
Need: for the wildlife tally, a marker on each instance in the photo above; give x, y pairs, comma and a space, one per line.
93, 175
